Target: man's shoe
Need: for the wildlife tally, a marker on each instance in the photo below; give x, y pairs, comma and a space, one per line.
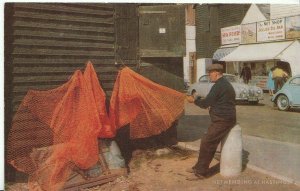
195, 177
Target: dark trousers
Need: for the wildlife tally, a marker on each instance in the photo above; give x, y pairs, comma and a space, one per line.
246, 80
209, 143
279, 81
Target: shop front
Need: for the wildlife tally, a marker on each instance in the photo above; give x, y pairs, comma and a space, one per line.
261, 46
260, 58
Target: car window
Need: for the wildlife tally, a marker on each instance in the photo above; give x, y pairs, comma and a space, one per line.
204, 79
230, 78
295, 81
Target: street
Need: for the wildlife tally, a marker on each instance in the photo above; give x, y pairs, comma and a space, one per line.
262, 120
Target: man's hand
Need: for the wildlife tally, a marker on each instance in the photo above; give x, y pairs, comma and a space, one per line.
190, 99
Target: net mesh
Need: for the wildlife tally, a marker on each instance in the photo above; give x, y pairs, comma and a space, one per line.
148, 107
56, 131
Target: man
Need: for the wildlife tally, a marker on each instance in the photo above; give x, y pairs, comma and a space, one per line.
246, 74
221, 104
279, 78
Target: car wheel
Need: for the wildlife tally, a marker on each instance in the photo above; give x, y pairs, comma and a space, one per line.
283, 103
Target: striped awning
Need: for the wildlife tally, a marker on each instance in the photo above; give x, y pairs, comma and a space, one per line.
222, 52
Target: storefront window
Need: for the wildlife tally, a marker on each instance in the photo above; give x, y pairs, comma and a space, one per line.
259, 69
233, 68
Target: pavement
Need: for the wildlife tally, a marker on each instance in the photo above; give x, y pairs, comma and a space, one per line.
279, 160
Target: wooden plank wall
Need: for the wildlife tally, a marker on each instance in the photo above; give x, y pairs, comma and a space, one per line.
127, 33
210, 18
52, 40
46, 42
170, 42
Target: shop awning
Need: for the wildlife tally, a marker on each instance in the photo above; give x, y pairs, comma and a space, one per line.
257, 52
292, 56
222, 52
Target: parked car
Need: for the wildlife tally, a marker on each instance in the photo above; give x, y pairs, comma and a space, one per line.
289, 95
244, 92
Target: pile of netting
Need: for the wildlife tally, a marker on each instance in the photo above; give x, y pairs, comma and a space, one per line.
56, 131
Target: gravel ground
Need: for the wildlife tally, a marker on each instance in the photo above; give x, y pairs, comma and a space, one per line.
164, 169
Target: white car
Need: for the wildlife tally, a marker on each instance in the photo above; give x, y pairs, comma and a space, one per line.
244, 92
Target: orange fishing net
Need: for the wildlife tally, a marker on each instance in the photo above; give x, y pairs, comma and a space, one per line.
57, 131
148, 107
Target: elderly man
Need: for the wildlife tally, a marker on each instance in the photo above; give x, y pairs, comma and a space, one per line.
221, 104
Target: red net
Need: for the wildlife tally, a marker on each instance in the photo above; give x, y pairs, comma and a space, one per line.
57, 131
149, 107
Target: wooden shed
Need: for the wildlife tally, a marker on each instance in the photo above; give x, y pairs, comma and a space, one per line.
46, 42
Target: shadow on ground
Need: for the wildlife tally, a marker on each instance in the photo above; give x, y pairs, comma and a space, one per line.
246, 103
192, 127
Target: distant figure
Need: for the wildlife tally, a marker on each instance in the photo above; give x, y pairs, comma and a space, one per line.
279, 76
270, 82
246, 74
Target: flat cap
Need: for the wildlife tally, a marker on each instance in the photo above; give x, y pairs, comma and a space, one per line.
217, 67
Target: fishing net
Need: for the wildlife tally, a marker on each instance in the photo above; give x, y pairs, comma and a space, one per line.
148, 107
56, 131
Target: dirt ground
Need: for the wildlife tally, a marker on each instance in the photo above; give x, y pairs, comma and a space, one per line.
164, 170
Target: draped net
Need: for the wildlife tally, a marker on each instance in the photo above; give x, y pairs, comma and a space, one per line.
56, 131
148, 107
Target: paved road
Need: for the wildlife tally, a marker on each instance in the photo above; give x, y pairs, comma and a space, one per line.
262, 120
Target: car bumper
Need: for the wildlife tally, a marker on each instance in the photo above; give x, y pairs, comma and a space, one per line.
249, 98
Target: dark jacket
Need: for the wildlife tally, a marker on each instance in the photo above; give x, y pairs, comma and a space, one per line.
221, 100
246, 73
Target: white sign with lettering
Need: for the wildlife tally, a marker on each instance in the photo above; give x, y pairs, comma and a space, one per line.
270, 30
231, 35
162, 30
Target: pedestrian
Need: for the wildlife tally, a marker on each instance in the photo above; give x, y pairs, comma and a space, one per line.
246, 74
279, 77
270, 82
221, 104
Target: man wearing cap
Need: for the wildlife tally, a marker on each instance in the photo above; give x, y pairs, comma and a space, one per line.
221, 104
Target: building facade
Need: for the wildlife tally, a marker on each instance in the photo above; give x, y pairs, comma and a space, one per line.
210, 18
269, 36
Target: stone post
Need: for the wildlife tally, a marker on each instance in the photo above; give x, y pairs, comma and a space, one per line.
231, 154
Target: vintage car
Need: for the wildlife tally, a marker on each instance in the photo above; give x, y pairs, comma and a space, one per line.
289, 95
244, 92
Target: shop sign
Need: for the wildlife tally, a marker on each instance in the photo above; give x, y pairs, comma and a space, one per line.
292, 27
231, 35
162, 30
270, 30
248, 33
